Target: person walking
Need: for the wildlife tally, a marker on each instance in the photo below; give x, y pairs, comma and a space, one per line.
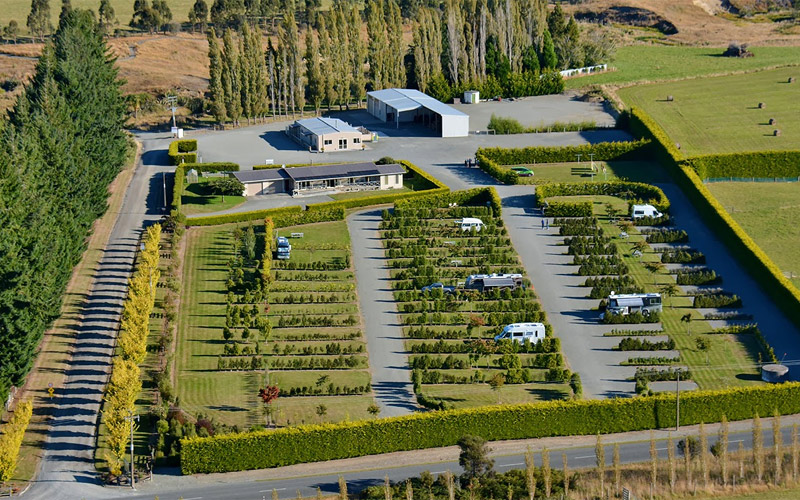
542, 222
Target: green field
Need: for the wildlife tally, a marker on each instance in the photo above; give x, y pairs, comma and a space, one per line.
296, 299
638, 63
198, 199
637, 171
770, 214
721, 115
19, 9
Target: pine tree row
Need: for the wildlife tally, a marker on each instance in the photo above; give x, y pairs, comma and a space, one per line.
61, 147
125, 383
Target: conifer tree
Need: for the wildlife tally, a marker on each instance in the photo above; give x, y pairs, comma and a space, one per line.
231, 78
530, 474
549, 58
316, 83
547, 473
378, 49
215, 83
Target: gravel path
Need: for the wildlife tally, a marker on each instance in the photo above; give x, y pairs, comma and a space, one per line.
387, 357
67, 469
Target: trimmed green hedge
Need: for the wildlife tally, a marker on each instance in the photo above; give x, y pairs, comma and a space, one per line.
568, 209
760, 164
602, 151
644, 192
213, 220
741, 245
474, 196
314, 443
219, 166
183, 151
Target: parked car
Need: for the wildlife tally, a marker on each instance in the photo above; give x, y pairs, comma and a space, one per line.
520, 332
438, 286
522, 171
639, 211
470, 223
628, 303
283, 249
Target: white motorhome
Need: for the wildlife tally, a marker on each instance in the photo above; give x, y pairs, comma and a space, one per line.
639, 211
520, 332
470, 223
628, 303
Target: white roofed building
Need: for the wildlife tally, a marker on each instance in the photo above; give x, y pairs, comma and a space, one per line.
327, 134
412, 106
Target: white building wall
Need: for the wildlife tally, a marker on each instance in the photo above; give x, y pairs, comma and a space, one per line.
455, 125
391, 181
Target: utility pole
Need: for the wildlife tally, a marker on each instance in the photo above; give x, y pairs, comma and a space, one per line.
173, 102
164, 184
678, 400
131, 418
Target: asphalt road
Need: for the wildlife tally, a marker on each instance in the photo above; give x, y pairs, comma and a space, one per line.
288, 487
67, 468
391, 377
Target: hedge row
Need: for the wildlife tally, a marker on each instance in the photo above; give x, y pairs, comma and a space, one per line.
645, 192
741, 245
475, 196
183, 151
282, 217
568, 209
753, 164
602, 151
314, 443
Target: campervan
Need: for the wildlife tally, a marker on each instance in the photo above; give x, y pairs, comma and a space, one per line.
624, 304
520, 332
284, 248
470, 223
639, 211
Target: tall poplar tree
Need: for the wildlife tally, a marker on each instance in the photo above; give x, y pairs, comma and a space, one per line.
231, 82
316, 84
358, 55
215, 85
378, 54
327, 64
395, 67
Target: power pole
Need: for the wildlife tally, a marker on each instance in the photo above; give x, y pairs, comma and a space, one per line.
131, 418
678, 400
164, 184
173, 103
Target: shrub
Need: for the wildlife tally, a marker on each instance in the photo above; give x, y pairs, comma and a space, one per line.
632, 318
683, 257
666, 236
717, 300
664, 220
183, 151
503, 125
641, 193
568, 209
637, 344
700, 277
312, 443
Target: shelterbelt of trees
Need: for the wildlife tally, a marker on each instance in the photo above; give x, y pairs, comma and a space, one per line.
509, 48
60, 147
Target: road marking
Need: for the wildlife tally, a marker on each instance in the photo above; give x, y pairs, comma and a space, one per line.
440, 472
193, 498
587, 456
511, 465
260, 491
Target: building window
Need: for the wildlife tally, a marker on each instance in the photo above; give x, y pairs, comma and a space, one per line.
328, 142
397, 179
342, 143
356, 140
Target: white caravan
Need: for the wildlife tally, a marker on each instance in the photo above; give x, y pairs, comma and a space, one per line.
639, 211
520, 332
469, 223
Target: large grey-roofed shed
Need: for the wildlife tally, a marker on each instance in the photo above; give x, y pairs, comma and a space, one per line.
410, 105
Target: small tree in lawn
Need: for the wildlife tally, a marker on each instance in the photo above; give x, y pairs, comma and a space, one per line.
670, 290
640, 246
373, 410
611, 212
496, 383
703, 345
687, 318
321, 411
654, 268
530, 474
268, 394
226, 186
474, 456
600, 462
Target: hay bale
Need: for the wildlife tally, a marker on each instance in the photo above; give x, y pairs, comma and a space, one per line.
776, 132
772, 121
670, 98
791, 79
762, 105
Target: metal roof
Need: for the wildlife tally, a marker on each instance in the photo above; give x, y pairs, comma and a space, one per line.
411, 99
269, 174
322, 126
629, 301
317, 172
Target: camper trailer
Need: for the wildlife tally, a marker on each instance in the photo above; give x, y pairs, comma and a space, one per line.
639, 211
470, 223
486, 282
520, 332
624, 304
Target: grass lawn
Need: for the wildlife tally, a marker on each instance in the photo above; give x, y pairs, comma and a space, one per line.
19, 10
721, 115
638, 63
769, 214
197, 199
638, 171
231, 396
468, 395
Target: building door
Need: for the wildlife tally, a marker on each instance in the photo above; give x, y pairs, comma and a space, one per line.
342, 143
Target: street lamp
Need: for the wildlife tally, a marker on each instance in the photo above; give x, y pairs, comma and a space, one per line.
131, 418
